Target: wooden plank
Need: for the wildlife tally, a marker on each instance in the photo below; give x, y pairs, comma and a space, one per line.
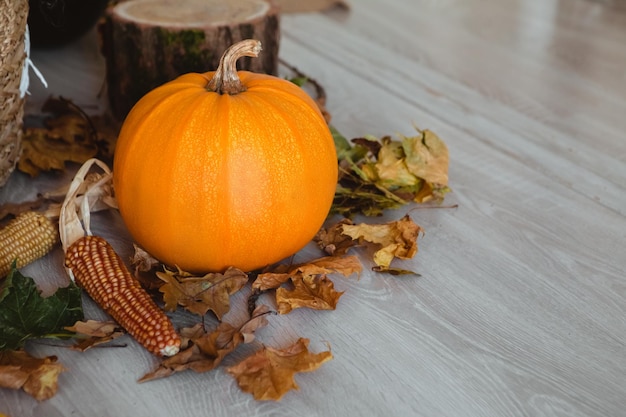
521, 307
579, 160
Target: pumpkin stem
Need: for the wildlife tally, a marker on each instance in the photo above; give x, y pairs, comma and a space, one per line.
226, 80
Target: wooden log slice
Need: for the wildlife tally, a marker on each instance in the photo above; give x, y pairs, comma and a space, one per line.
149, 42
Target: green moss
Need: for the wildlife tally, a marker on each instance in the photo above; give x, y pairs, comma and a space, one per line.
189, 39
188, 49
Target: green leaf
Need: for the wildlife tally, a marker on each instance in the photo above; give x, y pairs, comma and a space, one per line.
341, 142
299, 81
25, 314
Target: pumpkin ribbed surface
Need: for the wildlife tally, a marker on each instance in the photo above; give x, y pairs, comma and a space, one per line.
206, 181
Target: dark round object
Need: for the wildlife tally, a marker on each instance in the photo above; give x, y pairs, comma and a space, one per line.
57, 22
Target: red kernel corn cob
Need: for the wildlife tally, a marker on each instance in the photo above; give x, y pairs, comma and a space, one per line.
26, 238
102, 273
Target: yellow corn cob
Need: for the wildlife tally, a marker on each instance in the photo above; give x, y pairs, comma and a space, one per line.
26, 238
102, 273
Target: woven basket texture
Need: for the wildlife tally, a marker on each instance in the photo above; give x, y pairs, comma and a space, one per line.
13, 16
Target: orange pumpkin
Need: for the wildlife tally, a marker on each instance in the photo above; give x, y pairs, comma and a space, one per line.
225, 168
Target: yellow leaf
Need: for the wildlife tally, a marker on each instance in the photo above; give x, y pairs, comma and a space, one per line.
344, 265
269, 374
380, 174
391, 168
427, 157
396, 239
48, 149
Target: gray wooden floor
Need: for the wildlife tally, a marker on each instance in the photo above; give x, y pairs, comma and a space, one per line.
521, 307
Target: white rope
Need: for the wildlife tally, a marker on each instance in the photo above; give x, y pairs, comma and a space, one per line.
28, 64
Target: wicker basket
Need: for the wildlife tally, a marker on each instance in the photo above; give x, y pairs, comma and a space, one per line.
13, 16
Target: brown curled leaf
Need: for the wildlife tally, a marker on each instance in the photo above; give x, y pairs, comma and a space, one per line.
269, 374
93, 333
312, 291
201, 294
203, 351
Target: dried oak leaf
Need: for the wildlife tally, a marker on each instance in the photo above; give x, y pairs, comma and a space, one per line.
202, 351
344, 265
45, 150
68, 135
312, 291
92, 333
269, 374
37, 377
397, 239
201, 294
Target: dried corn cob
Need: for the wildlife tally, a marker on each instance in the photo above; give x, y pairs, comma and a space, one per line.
26, 238
102, 273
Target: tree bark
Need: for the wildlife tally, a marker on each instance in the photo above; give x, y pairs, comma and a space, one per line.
149, 42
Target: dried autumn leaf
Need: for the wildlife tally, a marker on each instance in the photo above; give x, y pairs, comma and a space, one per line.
333, 241
258, 319
143, 264
92, 333
313, 291
397, 239
202, 352
345, 265
42, 383
69, 134
269, 374
201, 294
270, 280
143, 261
37, 377
379, 174
353, 196
45, 150
390, 170
427, 157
